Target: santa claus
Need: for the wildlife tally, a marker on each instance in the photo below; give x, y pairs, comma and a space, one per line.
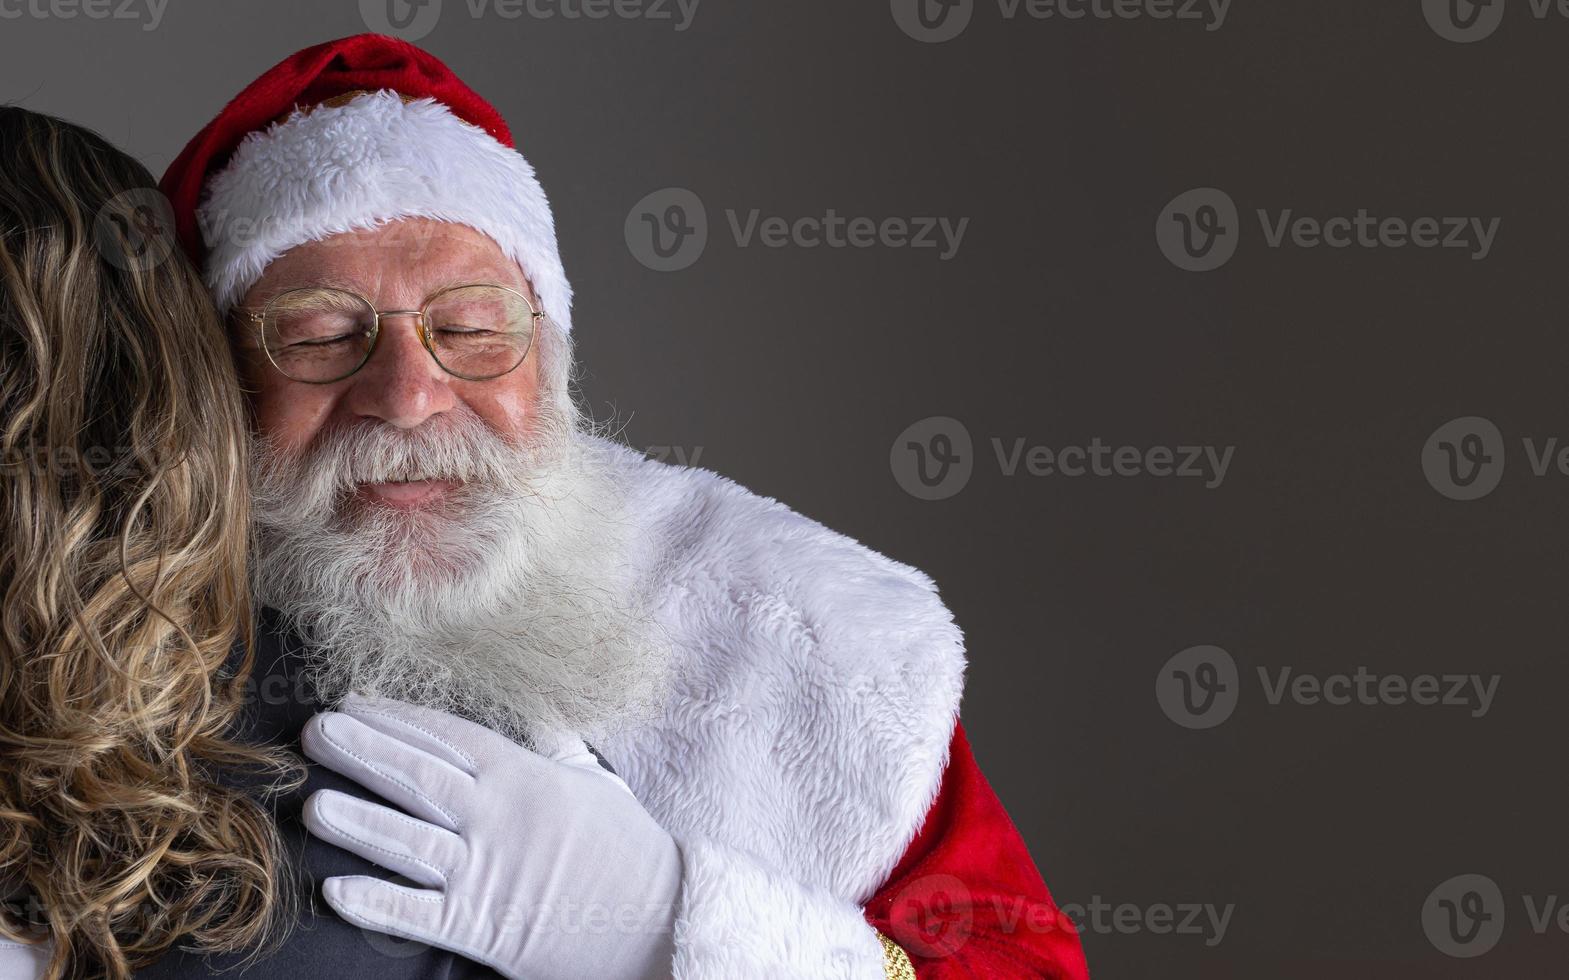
599, 716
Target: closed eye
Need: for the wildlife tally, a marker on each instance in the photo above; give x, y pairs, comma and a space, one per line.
323, 341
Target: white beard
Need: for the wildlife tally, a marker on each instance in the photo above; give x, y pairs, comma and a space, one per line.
509, 604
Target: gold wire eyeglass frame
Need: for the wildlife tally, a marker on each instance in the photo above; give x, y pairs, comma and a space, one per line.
422, 326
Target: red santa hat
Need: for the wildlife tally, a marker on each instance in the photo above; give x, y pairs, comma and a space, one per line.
348, 135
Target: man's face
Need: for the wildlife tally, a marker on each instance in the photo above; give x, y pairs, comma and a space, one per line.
397, 267
500, 589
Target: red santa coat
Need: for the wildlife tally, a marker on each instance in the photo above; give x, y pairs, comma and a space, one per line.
810, 762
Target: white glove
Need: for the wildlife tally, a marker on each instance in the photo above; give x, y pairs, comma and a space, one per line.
537, 867
23, 961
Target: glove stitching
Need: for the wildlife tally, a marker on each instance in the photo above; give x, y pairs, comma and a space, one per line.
413, 894
421, 728
415, 823
444, 873
386, 928
322, 730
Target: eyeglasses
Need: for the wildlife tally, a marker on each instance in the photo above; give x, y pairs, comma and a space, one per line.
322, 334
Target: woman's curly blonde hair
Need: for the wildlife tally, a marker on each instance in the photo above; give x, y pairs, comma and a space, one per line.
123, 589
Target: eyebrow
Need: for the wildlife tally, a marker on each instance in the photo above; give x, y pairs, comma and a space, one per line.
331, 282
328, 282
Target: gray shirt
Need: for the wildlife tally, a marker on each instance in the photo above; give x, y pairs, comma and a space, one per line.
321, 944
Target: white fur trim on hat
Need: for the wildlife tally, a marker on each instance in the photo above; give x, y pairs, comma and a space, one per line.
372, 160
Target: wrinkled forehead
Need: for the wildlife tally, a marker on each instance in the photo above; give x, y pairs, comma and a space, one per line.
395, 263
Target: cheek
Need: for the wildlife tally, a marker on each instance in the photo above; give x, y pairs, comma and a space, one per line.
508, 403
289, 413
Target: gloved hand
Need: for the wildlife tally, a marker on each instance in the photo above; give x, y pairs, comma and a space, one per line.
23, 961
537, 867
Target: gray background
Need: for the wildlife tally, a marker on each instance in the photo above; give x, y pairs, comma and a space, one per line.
793, 370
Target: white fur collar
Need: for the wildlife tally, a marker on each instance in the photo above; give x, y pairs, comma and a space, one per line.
819, 683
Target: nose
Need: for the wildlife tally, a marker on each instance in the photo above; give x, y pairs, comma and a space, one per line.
401, 384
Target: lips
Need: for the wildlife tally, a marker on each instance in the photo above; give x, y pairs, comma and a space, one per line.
407, 494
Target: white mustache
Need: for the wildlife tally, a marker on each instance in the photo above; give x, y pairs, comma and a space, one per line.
459, 447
